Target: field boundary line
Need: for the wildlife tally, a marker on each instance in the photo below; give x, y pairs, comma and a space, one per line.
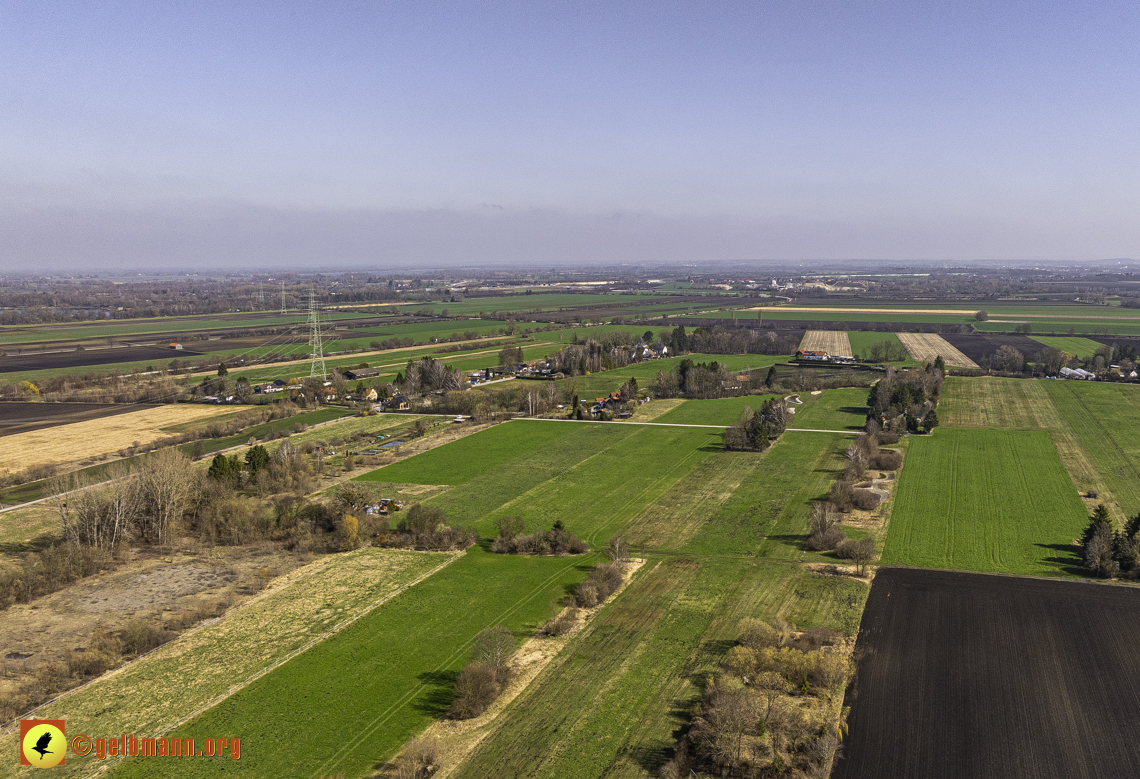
298, 651
670, 424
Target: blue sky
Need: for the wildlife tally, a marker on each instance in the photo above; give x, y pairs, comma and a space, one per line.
427, 133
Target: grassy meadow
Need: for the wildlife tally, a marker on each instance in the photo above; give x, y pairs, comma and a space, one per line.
833, 409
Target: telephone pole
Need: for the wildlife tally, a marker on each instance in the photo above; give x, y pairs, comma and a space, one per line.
315, 340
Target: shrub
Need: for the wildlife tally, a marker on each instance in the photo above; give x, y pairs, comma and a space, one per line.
886, 460
757, 634
139, 636
864, 500
475, 690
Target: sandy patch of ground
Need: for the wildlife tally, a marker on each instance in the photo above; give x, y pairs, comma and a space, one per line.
455, 739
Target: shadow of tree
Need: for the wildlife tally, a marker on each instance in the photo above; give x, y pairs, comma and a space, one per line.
439, 692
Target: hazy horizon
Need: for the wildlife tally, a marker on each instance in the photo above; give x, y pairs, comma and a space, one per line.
403, 135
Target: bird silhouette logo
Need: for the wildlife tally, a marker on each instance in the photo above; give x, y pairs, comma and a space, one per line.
42, 743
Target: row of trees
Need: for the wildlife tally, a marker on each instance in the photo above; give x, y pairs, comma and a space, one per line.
1109, 552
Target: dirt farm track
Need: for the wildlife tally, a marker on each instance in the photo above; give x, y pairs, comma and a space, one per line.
976, 675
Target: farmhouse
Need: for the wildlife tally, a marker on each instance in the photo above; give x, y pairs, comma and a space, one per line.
361, 373
399, 402
805, 354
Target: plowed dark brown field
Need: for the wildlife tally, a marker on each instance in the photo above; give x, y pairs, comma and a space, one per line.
975, 675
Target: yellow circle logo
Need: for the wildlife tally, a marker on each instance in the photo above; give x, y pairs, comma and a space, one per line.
44, 745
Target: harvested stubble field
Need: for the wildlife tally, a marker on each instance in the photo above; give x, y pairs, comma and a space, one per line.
985, 500
212, 662
81, 440
974, 675
926, 347
17, 417
831, 341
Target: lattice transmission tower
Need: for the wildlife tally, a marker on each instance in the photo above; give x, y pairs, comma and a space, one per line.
283, 309
315, 340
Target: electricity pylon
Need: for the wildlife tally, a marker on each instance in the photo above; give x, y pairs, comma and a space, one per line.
315, 340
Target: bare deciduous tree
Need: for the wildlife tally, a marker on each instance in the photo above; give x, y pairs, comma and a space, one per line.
165, 480
495, 648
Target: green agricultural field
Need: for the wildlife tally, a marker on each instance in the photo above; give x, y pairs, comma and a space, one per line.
187, 675
1079, 347
722, 411
532, 302
862, 341
985, 500
355, 698
668, 488
468, 458
610, 704
990, 403
765, 507
1102, 417
833, 409
1098, 327
620, 473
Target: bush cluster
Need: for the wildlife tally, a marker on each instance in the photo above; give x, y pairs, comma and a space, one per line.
603, 581
513, 539
483, 679
425, 528
753, 719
